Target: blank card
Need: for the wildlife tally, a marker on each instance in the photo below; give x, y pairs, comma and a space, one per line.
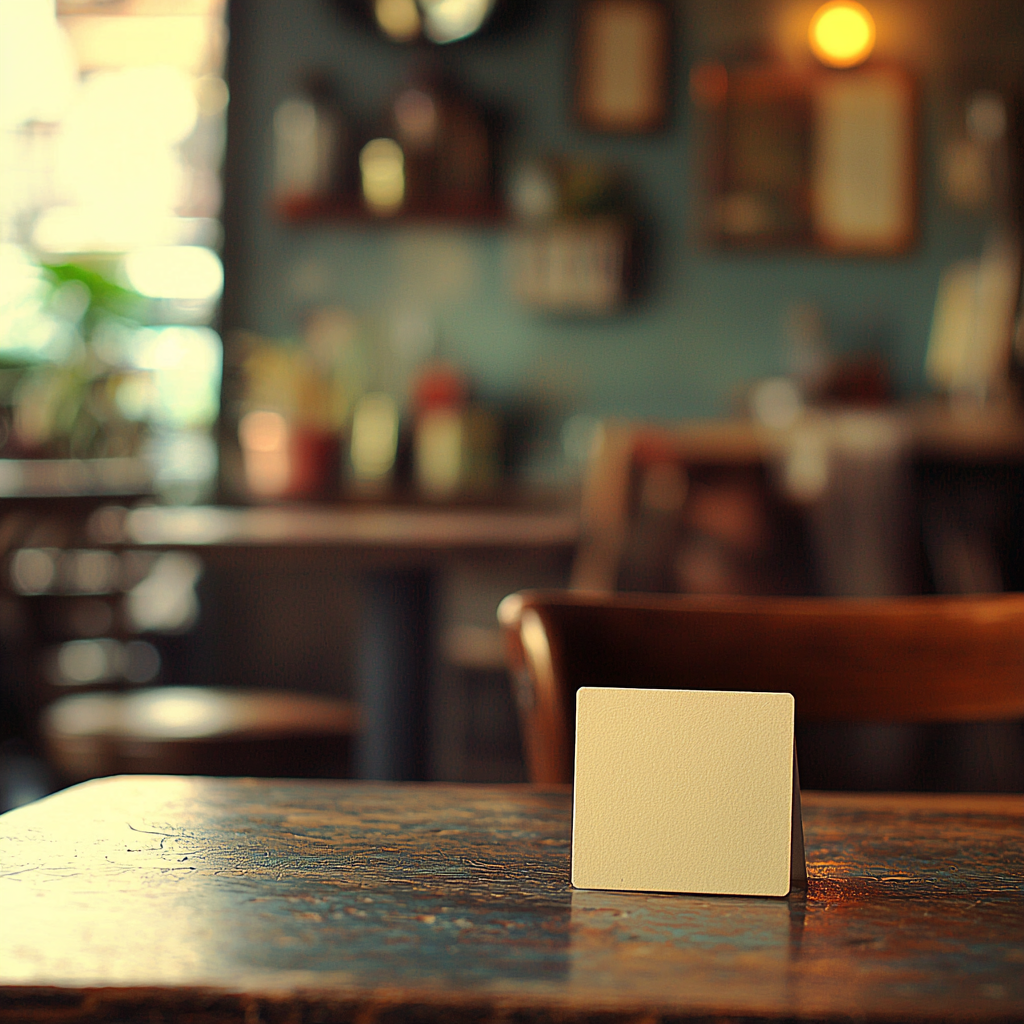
686, 791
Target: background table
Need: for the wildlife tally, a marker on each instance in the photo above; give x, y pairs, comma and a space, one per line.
214, 900
396, 554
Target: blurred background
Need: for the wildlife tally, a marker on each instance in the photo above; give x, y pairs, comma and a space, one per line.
630, 294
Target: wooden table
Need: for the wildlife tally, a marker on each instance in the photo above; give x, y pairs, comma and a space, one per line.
209, 900
396, 553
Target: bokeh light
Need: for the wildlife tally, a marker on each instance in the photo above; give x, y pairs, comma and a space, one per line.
183, 384
382, 166
445, 21
398, 19
175, 272
265, 440
842, 34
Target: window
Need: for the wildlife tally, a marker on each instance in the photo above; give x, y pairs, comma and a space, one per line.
112, 124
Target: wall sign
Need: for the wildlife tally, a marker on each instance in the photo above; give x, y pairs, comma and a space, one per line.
623, 54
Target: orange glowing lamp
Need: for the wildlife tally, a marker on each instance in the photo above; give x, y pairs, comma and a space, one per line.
842, 34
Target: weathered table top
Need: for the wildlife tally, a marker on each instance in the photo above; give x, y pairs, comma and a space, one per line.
210, 900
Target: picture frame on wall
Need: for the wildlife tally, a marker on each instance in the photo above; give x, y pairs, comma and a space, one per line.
826, 161
864, 182
622, 66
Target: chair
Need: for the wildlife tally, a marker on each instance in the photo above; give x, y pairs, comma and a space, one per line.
885, 660
79, 594
687, 508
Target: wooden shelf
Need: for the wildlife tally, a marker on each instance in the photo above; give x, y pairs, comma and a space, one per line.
75, 478
351, 210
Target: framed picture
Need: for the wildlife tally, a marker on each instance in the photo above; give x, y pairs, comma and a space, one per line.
864, 169
759, 153
824, 161
622, 65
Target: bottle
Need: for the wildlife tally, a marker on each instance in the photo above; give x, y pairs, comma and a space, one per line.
446, 145
310, 144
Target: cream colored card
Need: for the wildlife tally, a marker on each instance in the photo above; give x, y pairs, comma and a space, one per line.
686, 791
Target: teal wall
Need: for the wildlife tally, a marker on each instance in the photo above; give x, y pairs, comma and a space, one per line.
709, 322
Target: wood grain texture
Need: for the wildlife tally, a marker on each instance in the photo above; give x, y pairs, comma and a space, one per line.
211, 900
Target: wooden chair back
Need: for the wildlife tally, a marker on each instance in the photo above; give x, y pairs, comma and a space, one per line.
908, 659
608, 498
